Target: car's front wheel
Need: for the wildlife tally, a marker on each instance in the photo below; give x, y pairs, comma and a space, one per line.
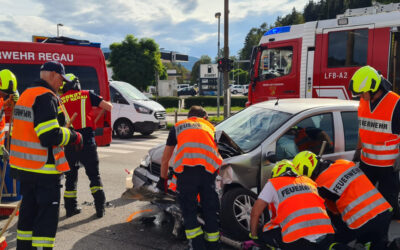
236, 205
124, 129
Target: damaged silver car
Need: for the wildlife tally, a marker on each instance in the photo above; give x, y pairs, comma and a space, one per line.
247, 140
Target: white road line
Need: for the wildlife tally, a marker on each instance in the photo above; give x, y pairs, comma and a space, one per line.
110, 150
103, 156
131, 146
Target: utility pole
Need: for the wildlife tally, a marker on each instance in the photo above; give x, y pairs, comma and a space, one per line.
227, 93
218, 15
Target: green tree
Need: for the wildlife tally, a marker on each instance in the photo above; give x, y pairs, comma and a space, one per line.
239, 75
179, 70
294, 17
252, 39
136, 61
196, 68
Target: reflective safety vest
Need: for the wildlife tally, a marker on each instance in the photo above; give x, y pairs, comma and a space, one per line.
78, 102
2, 122
379, 146
26, 151
359, 201
301, 211
270, 225
196, 145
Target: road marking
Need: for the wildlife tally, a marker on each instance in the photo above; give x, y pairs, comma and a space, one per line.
110, 150
103, 156
129, 146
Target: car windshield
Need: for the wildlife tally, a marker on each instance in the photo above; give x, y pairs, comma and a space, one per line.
130, 91
250, 127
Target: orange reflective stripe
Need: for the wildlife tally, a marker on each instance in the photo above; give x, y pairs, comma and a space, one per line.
379, 144
196, 145
359, 201
301, 211
26, 152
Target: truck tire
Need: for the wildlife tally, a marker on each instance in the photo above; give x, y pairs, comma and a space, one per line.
123, 128
236, 205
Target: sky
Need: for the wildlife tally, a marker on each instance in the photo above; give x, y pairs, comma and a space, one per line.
185, 26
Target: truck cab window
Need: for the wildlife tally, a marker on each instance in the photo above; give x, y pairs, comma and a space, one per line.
348, 48
275, 62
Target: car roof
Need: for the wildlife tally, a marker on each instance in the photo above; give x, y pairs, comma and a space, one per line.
296, 105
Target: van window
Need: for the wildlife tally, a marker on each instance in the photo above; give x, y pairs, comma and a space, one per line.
275, 62
28, 73
129, 91
348, 48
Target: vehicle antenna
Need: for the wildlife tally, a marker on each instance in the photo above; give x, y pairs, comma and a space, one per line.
277, 102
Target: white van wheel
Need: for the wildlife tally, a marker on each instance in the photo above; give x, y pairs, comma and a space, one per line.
124, 129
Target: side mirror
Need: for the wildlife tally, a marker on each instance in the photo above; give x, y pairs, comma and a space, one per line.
271, 157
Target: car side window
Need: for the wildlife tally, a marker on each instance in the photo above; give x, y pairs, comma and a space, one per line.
350, 127
308, 134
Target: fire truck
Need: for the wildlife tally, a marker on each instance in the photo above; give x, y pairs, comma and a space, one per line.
80, 57
317, 59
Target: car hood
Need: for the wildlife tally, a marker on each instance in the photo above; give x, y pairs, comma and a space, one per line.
150, 104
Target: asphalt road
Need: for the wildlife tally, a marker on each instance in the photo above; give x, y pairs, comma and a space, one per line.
121, 227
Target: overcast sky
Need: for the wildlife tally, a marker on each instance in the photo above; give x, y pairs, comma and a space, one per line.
186, 26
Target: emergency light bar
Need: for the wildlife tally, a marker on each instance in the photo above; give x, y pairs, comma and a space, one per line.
278, 30
71, 41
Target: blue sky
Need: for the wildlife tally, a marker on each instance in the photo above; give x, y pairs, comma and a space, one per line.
186, 26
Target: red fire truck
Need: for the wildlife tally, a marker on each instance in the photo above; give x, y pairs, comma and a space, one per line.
82, 58
318, 59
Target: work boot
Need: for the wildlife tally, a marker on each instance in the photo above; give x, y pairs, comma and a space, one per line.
99, 203
73, 211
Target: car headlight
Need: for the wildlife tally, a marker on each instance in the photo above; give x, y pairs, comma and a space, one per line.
142, 109
146, 161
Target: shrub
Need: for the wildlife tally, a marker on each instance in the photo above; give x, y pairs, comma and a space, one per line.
211, 101
168, 101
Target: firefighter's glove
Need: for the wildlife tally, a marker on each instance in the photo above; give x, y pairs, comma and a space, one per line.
78, 142
396, 166
357, 155
15, 96
162, 185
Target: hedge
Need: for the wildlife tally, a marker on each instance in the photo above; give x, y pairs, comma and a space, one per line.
167, 101
211, 101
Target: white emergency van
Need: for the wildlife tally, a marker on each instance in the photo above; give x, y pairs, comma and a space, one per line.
133, 111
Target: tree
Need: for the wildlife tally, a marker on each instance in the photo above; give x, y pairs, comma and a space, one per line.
293, 18
179, 70
136, 61
195, 75
252, 39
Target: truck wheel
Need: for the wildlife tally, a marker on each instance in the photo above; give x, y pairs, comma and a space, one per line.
124, 129
236, 205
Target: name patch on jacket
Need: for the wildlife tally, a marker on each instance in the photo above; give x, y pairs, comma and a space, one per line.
291, 190
345, 179
73, 97
23, 113
187, 125
375, 125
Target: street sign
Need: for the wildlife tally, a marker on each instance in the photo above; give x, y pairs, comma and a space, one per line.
208, 70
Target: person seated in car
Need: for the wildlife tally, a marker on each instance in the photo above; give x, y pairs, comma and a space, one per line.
311, 139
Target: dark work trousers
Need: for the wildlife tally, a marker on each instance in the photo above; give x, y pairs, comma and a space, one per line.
192, 181
90, 160
374, 231
388, 183
38, 215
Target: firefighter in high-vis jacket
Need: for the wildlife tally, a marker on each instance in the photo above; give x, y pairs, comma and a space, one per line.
378, 132
196, 165
8, 86
298, 216
37, 157
81, 102
361, 211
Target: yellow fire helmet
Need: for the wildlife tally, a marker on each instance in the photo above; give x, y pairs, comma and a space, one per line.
281, 167
8, 81
305, 162
365, 79
73, 85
